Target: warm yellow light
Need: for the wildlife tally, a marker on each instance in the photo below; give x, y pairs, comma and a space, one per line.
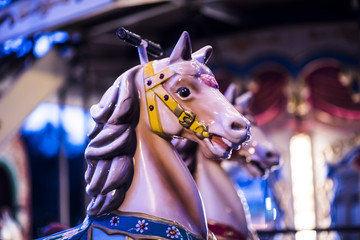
302, 182
251, 150
305, 235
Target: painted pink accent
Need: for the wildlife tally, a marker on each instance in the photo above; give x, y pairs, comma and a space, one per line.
209, 80
226, 231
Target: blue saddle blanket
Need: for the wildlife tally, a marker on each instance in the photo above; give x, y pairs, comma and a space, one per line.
116, 226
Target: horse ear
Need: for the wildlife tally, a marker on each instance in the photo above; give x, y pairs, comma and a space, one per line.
232, 92
243, 101
203, 54
182, 50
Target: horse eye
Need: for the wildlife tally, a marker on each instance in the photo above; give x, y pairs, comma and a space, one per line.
183, 92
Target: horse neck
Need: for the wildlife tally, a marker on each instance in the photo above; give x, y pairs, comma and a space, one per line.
162, 185
221, 200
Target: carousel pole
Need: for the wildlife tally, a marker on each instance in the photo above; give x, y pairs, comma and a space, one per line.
63, 162
64, 197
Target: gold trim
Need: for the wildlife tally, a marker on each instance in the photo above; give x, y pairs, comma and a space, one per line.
178, 110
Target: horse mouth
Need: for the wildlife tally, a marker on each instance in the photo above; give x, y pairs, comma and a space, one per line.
258, 166
221, 146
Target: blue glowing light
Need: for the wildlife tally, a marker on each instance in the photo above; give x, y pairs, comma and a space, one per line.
25, 48
42, 45
13, 45
268, 204
59, 37
4, 3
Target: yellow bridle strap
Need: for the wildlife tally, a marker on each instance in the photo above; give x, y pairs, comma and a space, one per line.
148, 70
153, 115
156, 79
153, 88
151, 103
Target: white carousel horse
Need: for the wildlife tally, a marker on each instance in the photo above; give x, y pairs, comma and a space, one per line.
225, 206
139, 185
259, 155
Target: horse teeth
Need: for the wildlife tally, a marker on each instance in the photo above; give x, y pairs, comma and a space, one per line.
227, 142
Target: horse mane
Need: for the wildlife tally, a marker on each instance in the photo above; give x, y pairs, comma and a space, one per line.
112, 145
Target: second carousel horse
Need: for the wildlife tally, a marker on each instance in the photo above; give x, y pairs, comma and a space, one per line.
225, 206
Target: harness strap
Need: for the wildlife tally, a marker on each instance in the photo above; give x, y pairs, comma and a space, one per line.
153, 115
153, 87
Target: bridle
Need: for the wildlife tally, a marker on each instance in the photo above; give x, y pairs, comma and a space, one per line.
154, 88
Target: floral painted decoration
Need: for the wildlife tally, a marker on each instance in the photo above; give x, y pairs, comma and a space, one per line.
114, 221
141, 226
173, 232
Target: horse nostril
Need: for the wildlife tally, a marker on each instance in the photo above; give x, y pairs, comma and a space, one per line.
236, 126
270, 154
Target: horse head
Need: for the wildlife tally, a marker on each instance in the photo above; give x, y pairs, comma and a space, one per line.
184, 85
258, 155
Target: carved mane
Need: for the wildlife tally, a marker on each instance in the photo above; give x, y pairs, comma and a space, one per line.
112, 145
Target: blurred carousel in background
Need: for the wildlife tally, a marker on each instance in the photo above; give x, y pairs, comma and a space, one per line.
301, 61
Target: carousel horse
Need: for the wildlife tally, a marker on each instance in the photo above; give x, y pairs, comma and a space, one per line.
140, 187
225, 206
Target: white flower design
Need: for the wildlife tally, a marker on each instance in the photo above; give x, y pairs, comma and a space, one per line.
141, 226
114, 221
172, 232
